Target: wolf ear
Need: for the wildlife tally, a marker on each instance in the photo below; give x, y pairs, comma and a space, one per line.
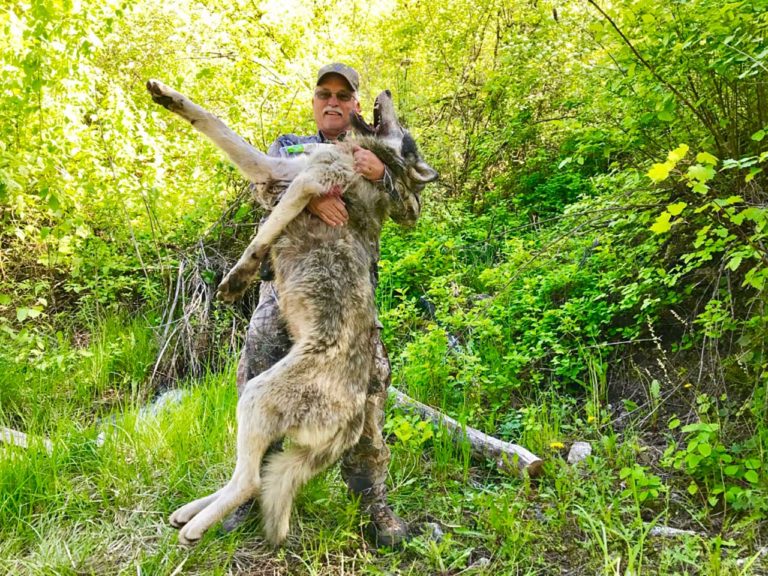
423, 172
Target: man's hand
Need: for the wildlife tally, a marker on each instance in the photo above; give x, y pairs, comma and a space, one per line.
330, 208
367, 164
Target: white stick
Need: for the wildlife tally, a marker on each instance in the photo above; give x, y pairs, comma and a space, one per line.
21, 440
505, 454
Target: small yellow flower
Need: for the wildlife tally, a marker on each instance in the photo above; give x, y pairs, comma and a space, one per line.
590, 419
687, 385
556, 445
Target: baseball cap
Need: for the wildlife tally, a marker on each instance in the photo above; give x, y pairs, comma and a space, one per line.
347, 72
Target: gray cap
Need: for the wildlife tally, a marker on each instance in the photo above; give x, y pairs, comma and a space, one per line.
346, 72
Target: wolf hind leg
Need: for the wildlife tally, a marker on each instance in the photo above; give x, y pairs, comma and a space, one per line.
286, 472
244, 485
184, 514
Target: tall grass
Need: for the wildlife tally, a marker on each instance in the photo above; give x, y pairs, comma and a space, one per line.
98, 502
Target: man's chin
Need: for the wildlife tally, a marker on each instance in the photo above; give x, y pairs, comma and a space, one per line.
334, 127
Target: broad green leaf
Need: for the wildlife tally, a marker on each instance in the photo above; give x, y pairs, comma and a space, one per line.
734, 263
758, 136
701, 173
706, 158
752, 464
625, 473
678, 153
705, 449
692, 461
677, 208
755, 278
700, 188
731, 471
752, 173
5, 299
659, 172
23, 313
754, 213
662, 223
693, 489
752, 477
665, 116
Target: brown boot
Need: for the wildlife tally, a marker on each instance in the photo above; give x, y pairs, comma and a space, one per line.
385, 528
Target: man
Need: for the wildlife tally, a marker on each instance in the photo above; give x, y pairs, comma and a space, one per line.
364, 467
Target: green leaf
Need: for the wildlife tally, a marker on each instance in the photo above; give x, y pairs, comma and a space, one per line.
23, 313
731, 470
660, 172
752, 173
5, 299
706, 158
700, 188
665, 116
752, 477
662, 223
674, 423
678, 153
625, 473
705, 450
693, 489
758, 136
752, 464
692, 461
734, 263
677, 208
701, 173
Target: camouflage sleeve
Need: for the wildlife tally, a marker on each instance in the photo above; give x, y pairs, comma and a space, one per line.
406, 207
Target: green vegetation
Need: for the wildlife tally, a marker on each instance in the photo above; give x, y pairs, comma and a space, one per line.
592, 266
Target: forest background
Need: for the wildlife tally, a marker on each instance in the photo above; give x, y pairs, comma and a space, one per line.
591, 266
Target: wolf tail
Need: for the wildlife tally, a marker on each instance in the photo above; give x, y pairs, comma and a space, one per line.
286, 472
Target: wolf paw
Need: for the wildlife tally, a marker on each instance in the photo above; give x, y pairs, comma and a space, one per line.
189, 536
165, 96
180, 518
234, 284
240, 277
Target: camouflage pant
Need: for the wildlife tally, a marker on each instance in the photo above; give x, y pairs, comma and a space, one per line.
364, 466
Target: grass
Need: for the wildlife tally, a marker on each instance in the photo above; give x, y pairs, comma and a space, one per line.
101, 508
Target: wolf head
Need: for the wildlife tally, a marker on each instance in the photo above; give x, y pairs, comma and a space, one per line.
395, 146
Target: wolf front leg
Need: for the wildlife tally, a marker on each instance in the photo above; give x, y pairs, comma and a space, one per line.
295, 199
254, 164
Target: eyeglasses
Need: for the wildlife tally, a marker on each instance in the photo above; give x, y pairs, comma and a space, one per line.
341, 96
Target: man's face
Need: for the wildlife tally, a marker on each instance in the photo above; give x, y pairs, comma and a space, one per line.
332, 112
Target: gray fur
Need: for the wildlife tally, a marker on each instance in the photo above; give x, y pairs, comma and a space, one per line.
315, 396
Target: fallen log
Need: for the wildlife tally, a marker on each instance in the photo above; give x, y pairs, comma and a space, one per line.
506, 455
21, 440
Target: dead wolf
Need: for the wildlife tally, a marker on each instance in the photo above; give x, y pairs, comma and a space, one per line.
315, 396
